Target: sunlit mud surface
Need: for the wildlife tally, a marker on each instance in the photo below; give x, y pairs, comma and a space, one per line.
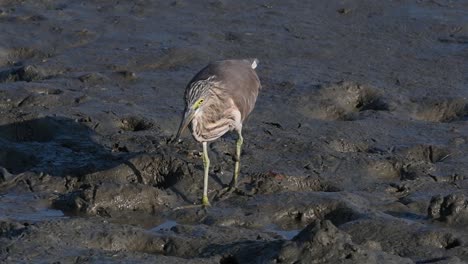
356, 151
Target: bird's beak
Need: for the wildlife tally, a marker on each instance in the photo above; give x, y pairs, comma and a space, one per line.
188, 117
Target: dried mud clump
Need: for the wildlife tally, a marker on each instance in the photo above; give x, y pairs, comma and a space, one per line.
337, 213
319, 242
139, 184
107, 199
93, 78
273, 182
441, 109
347, 146
16, 55
154, 170
22, 74
343, 100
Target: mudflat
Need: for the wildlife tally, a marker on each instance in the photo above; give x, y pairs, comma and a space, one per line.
356, 151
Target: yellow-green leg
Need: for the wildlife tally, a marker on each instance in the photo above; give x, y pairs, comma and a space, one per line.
239, 142
206, 165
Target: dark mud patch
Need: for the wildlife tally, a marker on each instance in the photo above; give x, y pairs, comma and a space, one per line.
37, 130
15, 161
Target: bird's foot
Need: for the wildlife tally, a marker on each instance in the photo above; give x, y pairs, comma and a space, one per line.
227, 191
192, 206
205, 204
205, 201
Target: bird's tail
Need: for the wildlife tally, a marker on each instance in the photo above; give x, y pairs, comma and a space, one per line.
254, 63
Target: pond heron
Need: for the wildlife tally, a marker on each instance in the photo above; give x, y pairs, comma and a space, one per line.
217, 100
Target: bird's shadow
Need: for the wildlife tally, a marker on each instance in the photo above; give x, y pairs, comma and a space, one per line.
54, 145
68, 151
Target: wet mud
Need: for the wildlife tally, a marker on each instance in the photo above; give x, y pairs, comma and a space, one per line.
355, 152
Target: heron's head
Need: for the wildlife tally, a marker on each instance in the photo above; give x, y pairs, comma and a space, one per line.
192, 108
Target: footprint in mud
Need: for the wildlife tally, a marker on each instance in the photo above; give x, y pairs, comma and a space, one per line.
411, 163
133, 123
452, 209
344, 101
440, 109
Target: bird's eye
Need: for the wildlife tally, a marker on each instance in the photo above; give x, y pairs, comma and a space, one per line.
198, 103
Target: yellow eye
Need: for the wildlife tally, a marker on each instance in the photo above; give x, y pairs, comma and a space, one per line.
198, 103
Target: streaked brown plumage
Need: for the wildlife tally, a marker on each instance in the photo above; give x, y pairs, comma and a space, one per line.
218, 99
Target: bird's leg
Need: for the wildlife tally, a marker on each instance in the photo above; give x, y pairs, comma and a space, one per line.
206, 165
239, 142
232, 188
